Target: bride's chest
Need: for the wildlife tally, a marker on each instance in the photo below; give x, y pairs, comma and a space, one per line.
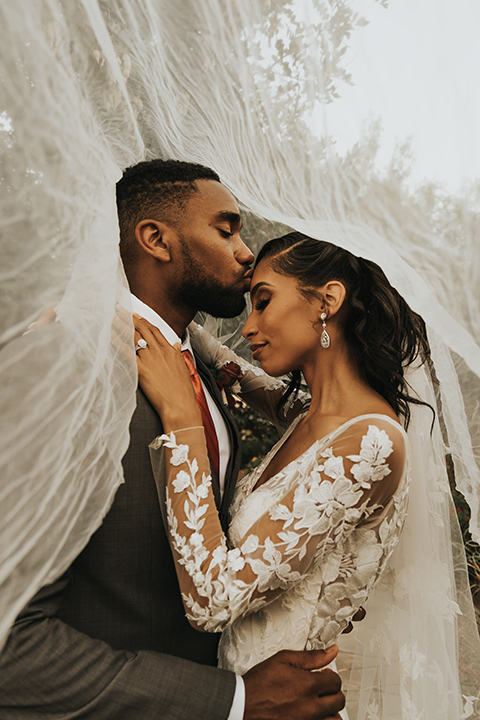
250, 503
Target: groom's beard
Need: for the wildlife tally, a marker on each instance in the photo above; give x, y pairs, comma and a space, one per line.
202, 290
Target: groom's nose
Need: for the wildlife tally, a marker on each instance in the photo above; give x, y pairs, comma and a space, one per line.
243, 254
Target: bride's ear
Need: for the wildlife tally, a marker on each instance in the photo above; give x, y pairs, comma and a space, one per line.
333, 295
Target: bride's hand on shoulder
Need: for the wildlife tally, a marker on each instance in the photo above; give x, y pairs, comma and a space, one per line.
165, 378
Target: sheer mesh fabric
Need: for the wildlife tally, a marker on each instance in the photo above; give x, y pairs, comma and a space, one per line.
91, 87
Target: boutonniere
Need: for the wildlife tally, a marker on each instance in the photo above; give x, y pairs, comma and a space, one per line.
228, 380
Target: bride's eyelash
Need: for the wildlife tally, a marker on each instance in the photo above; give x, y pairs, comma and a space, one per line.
261, 304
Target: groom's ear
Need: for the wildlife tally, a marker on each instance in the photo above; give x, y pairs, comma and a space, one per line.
155, 238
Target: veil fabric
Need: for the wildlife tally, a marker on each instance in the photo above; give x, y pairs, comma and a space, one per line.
93, 86
403, 659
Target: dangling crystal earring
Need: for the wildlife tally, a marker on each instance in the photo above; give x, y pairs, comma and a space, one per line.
324, 337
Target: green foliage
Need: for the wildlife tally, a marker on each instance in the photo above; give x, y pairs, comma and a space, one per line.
472, 549
258, 435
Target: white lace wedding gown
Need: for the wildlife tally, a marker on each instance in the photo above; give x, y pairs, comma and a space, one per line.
304, 548
307, 547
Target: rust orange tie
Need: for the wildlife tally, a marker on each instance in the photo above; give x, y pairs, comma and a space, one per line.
210, 433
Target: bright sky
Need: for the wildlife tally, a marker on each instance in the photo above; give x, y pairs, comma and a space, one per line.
417, 67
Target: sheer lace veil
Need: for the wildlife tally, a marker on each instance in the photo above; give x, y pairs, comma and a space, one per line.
91, 87
403, 659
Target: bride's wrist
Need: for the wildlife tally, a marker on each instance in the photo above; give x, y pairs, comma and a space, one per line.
174, 420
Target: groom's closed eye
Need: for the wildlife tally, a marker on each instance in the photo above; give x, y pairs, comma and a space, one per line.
231, 219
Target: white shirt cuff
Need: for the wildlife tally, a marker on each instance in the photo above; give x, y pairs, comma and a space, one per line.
238, 705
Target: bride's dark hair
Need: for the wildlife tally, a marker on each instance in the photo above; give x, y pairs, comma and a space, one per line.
385, 336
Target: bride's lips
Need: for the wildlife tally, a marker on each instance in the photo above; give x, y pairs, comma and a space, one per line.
257, 348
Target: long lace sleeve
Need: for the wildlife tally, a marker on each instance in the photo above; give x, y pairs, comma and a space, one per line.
315, 503
255, 387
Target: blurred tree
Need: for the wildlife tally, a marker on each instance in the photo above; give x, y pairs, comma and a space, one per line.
258, 435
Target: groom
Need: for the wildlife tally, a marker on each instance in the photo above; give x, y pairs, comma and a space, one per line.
109, 639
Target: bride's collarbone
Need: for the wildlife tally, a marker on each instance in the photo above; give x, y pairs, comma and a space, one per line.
314, 427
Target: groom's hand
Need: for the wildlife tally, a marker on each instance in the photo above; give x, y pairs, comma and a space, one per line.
283, 687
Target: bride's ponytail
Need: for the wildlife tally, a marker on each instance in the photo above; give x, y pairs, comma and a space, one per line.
385, 334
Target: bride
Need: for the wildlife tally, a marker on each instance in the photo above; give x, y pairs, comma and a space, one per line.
314, 527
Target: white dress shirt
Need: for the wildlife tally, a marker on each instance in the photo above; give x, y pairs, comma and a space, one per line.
145, 311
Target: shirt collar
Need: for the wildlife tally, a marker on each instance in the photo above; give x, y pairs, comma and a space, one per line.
145, 311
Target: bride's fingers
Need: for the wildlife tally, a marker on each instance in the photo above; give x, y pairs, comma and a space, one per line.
159, 355
124, 348
151, 334
121, 324
47, 316
137, 336
155, 352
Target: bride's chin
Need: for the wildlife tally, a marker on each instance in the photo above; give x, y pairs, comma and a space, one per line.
272, 370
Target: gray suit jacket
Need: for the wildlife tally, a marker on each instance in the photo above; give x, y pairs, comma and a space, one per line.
110, 639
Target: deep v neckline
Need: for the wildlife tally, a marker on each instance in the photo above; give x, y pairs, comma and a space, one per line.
260, 470
328, 436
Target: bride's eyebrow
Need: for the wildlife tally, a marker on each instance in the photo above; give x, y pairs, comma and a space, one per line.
257, 287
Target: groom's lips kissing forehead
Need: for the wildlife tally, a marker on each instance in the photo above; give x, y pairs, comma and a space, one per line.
247, 278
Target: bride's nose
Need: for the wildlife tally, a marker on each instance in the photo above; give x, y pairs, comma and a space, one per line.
249, 329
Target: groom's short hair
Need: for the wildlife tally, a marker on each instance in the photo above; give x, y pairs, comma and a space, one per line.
159, 189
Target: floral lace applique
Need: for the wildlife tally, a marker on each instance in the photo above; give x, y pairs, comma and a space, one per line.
316, 506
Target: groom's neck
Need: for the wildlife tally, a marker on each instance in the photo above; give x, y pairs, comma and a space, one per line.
174, 314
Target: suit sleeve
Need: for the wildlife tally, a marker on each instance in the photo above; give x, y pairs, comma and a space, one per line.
50, 670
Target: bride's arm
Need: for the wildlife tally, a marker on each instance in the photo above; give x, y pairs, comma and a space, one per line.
302, 526
251, 383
